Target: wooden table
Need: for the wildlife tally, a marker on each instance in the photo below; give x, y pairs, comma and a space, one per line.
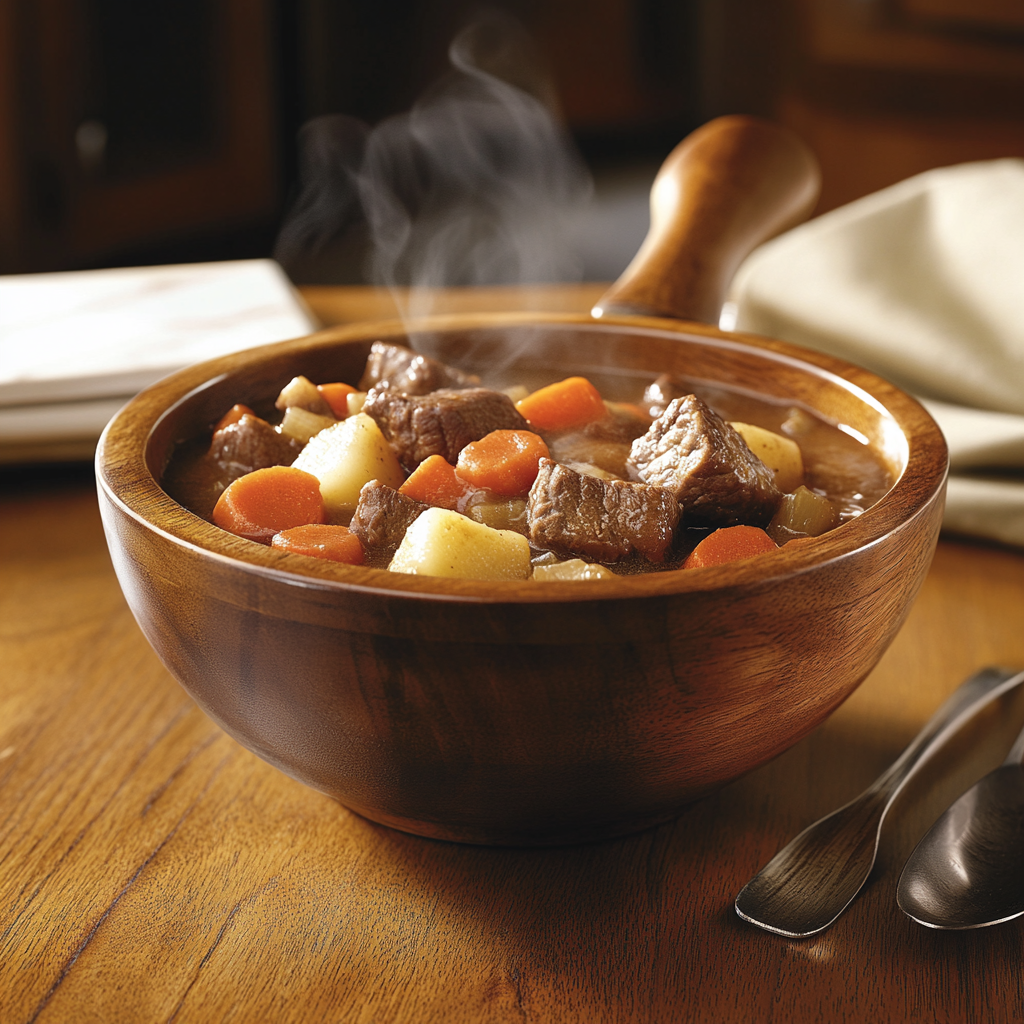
153, 870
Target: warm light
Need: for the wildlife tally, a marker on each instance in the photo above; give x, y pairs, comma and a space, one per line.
852, 432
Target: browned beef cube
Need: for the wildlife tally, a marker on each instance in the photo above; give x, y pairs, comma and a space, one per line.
400, 369
602, 520
441, 423
251, 443
380, 520
695, 454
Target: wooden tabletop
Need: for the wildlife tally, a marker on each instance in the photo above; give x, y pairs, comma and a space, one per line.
151, 869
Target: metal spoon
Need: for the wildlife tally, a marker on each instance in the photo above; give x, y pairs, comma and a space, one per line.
808, 884
968, 870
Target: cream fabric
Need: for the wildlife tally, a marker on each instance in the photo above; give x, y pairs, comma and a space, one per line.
922, 283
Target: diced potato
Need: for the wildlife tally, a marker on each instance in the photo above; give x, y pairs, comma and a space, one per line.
517, 392
778, 453
302, 424
802, 514
501, 515
574, 569
302, 392
355, 402
444, 543
346, 456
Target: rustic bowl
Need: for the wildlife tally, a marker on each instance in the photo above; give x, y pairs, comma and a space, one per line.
532, 713
519, 712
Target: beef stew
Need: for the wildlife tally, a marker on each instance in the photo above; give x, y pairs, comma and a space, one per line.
615, 486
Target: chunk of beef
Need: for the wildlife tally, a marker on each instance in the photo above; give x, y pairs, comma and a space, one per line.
400, 369
248, 444
599, 520
695, 454
380, 520
441, 423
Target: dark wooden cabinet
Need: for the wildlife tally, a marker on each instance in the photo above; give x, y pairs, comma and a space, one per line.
884, 90
129, 127
125, 123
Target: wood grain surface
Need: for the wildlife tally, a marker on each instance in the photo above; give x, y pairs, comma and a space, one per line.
352, 304
153, 870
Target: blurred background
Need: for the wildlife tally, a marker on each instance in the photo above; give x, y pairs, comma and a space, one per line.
165, 131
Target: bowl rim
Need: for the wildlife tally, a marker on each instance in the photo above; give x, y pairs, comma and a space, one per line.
124, 476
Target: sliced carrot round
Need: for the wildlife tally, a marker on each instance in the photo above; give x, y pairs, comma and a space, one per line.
266, 501
729, 545
233, 415
336, 396
335, 543
572, 402
435, 482
504, 461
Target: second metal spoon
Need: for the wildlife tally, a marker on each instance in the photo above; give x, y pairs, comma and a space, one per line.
968, 870
809, 883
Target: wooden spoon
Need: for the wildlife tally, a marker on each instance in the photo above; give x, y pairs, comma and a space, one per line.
725, 189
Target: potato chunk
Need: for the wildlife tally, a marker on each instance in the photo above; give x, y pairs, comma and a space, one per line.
302, 424
302, 393
346, 456
803, 514
780, 454
444, 543
574, 569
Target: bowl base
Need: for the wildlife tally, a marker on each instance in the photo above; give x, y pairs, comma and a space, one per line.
495, 835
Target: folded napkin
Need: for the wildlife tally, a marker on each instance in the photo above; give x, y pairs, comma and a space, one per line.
923, 283
74, 347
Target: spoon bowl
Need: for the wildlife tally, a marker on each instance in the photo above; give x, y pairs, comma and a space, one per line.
967, 870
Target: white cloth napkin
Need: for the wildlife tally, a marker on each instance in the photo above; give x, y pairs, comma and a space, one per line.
923, 283
74, 347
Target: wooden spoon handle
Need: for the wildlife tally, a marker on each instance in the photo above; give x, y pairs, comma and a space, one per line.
725, 189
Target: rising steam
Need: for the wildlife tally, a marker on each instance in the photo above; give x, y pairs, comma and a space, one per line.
477, 184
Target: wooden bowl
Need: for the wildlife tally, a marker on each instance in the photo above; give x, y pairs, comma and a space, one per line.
518, 712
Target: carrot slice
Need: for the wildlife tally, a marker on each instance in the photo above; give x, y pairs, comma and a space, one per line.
266, 501
729, 545
335, 543
435, 482
569, 403
336, 396
504, 461
233, 415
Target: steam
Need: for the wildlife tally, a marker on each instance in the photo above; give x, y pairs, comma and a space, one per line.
330, 155
477, 184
